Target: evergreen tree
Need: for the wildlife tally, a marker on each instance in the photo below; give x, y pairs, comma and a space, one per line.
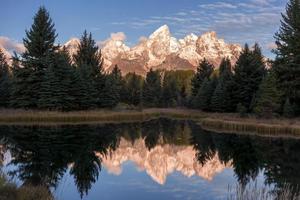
88, 61
21, 91
39, 44
204, 70
4, 81
169, 92
134, 89
217, 100
288, 109
112, 89
249, 72
221, 99
183, 96
203, 99
152, 89
59, 83
268, 97
287, 63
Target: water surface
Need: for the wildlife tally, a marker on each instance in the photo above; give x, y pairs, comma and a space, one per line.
159, 159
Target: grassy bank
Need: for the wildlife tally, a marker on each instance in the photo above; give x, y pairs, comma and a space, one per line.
10, 191
230, 123
97, 116
271, 127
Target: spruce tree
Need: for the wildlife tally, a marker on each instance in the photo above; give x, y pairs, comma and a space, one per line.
204, 70
39, 44
203, 98
170, 92
21, 90
88, 61
183, 96
4, 81
152, 89
112, 89
288, 109
249, 72
287, 63
268, 97
221, 99
58, 90
134, 89
218, 100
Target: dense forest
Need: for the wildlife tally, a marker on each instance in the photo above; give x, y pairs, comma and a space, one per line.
46, 77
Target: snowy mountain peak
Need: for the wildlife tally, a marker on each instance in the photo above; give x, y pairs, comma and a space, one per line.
161, 31
162, 51
209, 35
72, 45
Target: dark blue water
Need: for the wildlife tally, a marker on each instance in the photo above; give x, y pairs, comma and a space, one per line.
159, 159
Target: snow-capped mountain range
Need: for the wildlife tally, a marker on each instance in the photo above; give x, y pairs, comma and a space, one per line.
162, 51
162, 160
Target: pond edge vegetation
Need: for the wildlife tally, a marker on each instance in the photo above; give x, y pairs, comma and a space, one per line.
217, 122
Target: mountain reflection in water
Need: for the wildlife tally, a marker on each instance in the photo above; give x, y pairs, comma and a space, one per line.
39, 155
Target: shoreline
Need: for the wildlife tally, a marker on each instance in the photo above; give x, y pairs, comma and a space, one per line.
217, 122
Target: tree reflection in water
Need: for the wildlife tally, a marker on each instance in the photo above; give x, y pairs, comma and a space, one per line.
44, 154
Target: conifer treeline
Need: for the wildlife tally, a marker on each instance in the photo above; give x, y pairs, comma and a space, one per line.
45, 77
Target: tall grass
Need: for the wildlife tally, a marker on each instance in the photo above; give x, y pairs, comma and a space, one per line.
9, 191
218, 122
15, 117
265, 128
253, 192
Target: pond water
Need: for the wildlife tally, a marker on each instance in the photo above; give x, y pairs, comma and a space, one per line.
159, 159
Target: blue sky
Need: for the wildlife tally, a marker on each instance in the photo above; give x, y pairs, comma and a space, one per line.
236, 21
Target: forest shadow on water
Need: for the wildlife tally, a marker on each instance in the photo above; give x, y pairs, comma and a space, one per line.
99, 159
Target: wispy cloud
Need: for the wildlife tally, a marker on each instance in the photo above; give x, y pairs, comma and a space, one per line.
11, 45
218, 5
248, 21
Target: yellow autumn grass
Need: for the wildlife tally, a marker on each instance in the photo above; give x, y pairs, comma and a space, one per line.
218, 122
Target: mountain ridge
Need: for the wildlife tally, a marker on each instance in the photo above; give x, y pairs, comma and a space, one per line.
160, 51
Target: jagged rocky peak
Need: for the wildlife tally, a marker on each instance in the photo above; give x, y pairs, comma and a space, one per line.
188, 40
72, 45
163, 51
161, 32
161, 161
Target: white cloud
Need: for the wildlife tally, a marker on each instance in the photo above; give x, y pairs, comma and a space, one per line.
142, 39
263, 2
218, 5
11, 45
118, 36
271, 46
239, 22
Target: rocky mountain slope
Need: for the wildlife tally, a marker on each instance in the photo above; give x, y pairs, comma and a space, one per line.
161, 161
162, 51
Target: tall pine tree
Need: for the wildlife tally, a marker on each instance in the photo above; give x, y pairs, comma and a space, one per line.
39, 44
59, 91
268, 97
21, 90
287, 63
88, 61
203, 98
249, 72
133, 89
170, 92
152, 89
204, 71
112, 89
221, 99
4, 81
